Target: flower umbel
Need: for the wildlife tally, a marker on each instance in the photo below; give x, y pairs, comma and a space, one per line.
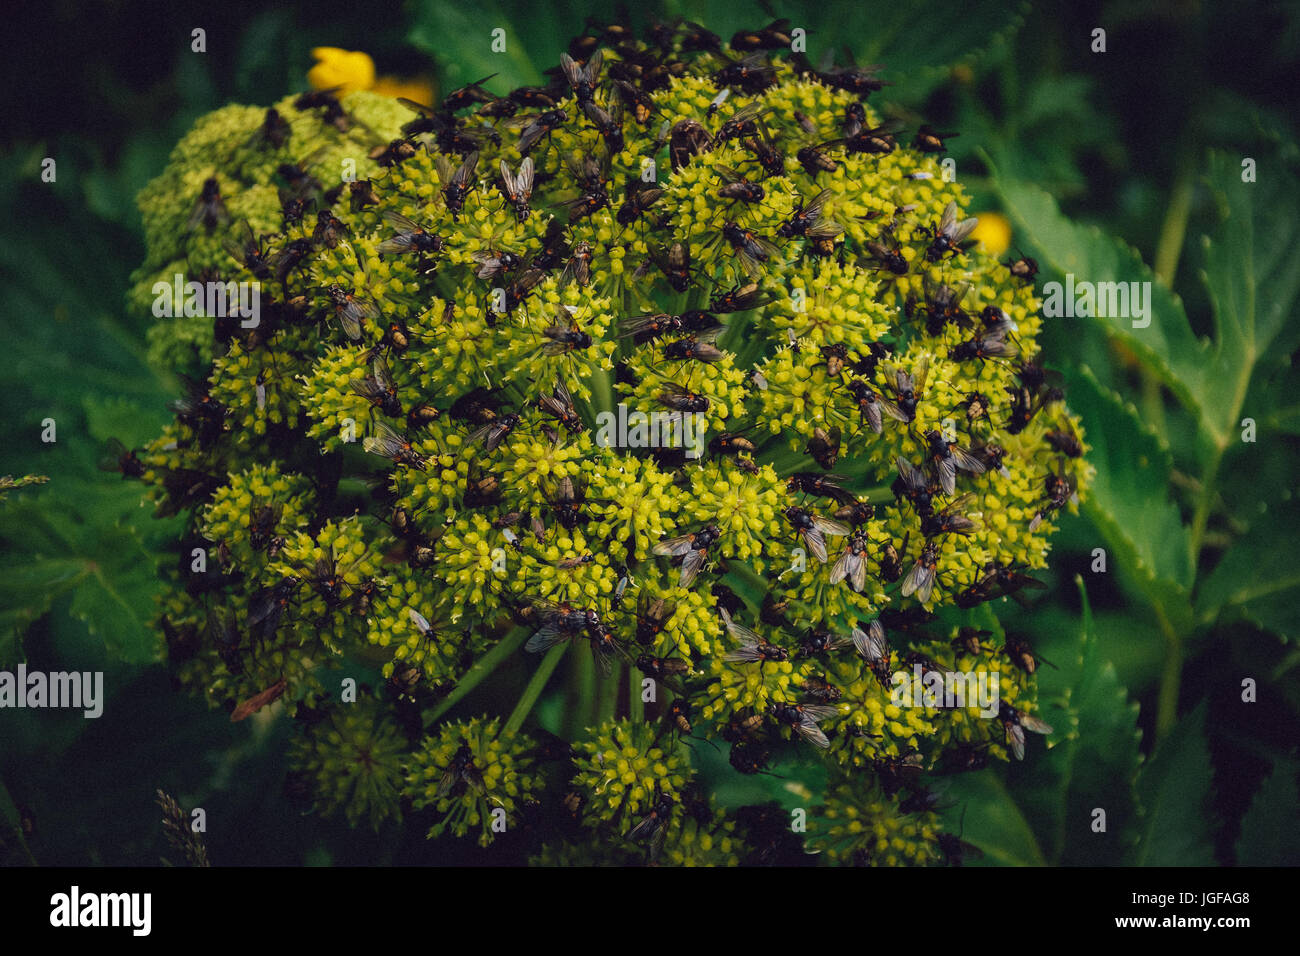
458, 437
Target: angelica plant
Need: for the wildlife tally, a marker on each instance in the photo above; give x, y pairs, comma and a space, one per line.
429, 450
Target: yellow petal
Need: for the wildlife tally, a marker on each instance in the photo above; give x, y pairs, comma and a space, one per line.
418, 88
348, 69
994, 231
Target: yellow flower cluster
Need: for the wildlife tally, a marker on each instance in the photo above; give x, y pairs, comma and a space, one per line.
717, 389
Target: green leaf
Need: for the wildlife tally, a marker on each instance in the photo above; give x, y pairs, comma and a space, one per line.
111, 575
72, 356
1173, 793
1167, 346
918, 51
1128, 501
460, 37
1259, 575
1251, 276
1091, 761
994, 822
1270, 830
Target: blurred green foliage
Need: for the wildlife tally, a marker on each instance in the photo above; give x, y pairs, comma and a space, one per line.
1123, 165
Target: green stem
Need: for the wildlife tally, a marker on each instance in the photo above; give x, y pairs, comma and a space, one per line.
581, 707
1170, 678
607, 696
877, 493
1174, 229
1288, 662
1153, 402
535, 687
635, 705
1204, 504
602, 391
480, 669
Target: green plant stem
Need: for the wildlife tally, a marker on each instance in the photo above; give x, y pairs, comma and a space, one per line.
746, 574
535, 687
1170, 678
607, 696
602, 392
1174, 229
635, 705
1204, 503
582, 694
1153, 403
1169, 248
1288, 662
480, 669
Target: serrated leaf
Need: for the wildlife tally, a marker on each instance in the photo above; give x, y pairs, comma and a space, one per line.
108, 570
1270, 830
1167, 346
917, 52
116, 599
1128, 501
1259, 575
1251, 276
993, 821
1092, 761
1173, 793
460, 37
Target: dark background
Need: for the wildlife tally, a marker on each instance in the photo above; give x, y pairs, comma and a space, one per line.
1120, 139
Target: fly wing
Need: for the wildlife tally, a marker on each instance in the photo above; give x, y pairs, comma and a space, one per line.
819, 712
947, 472
846, 566
872, 412
919, 581
739, 631
675, 547
858, 576
965, 460
871, 643
831, 526
1015, 739
815, 205
949, 218
892, 410
400, 222
691, 567
809, 731
385, 442
572, 71
592, 70
959, 231
816, 543
1034, 724
546, 637
466, 170
911, 475
508, 181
